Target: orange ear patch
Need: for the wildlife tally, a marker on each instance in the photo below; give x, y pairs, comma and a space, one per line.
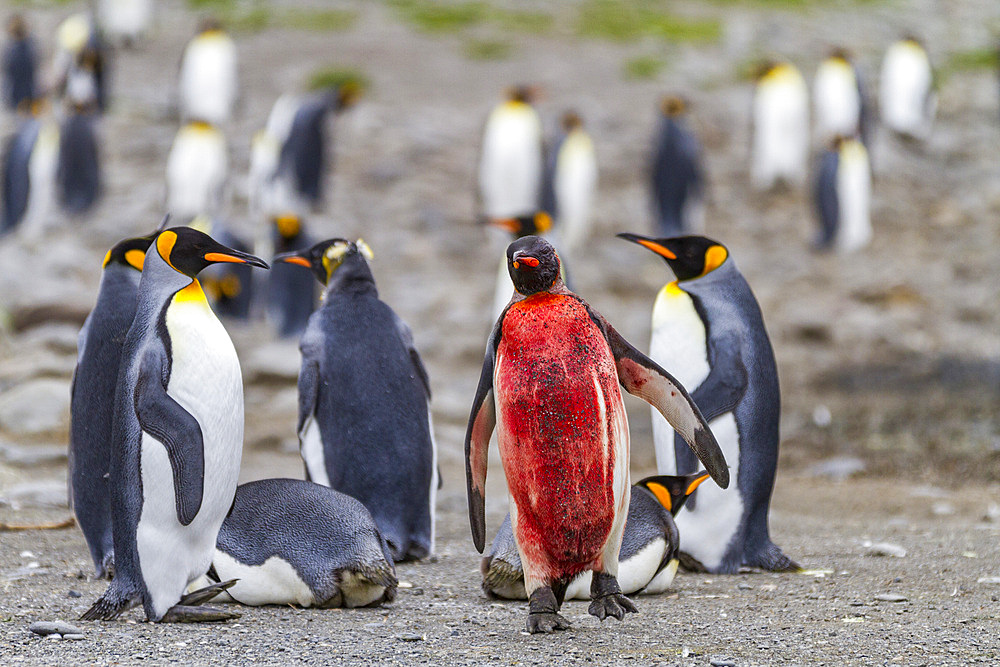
661, 494
714, 257
165, 245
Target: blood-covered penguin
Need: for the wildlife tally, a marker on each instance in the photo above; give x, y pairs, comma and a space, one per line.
549, 385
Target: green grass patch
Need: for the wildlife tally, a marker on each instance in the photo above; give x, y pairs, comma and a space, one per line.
642, 68
975, 59
320, 20
486, 49
509, 20
630, 20
335, 77
215, 5
440, 17
252, 19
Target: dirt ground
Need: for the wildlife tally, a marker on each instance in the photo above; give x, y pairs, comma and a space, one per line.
889, 358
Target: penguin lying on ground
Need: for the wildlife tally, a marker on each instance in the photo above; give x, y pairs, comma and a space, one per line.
177, 435
364, 400
569, 182
780, 145
287, 541
291, 292
208, 76
510, 160
708, 327
99, 350
907, 97
676, 172
647, 561
843, 196
550, 385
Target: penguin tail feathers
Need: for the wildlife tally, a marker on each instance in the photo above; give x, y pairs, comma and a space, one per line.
499, 575
111, 604
772, 559
380, 573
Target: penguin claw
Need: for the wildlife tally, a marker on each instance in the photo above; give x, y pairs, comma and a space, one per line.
546, 622
613, 604
184, 614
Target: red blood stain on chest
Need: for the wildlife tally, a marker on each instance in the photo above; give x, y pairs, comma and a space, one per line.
559, 411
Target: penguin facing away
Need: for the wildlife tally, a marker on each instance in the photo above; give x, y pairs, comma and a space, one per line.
550, 386
79, 170
207, 82
288, 541
99, 349
570, 181
20, 62
359, 364
843, 196
647, 561
780, 145
676, 173
708, 327
177, 435
510, 160
907, 98
291, 292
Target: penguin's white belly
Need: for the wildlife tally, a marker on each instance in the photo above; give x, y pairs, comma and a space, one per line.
837, 101
311, 445
664, 579
510, 167
432, 501
208, 79
680, 346
781, 133
126, 18
906, 83
205, 380
853, 197
504, 289
42, 166
575, 181
196, 172
633, 574
707, 531
274, 581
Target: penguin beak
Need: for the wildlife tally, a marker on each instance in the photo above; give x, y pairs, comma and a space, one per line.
293, 258
650, 244
511, 225
524, 259
236, 257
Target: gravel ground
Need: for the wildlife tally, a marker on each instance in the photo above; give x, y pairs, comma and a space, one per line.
889, 358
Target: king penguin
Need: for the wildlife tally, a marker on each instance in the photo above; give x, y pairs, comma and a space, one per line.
125, 21
906, 96
780, 146
840, 99
510, 159
30, 165
550, 386
291, 292
79, 170
229, 286
708, 327
208, 76
289, 541
20, 62
570, 182
197, 169
647, 560
177, 435
360, 366
539, 223
99, 347
843, 196
676, 179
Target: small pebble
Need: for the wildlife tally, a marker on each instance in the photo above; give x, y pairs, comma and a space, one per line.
74, 594
722, 663
74, 637
54, 635
413, 638
54, 628
417, 591
884, 549
744, 587
988, 580
942, 509
891, 597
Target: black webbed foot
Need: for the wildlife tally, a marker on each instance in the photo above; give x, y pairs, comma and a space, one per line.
543, 613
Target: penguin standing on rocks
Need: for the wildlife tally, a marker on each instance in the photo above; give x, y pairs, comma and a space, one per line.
99, 350
550, 386
359, 365
20, 62
291, 292
843, 196
840, 100
708, 327
177, 435
208, 76
906, 96
570, 182
510, 160
780, 146
647, 561
288, 541
197, 169
676, 173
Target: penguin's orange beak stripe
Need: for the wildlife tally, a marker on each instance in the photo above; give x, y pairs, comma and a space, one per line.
695, 484
657, 248
223, 257
298, 260
511, 225
529, 261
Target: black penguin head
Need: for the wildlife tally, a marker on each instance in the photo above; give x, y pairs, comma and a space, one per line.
188, 251
326, 257
533, 265
525, 225
132, 252
688, 256
209, 24
522, 93
570, 121
672, 490
17, 27
673, 106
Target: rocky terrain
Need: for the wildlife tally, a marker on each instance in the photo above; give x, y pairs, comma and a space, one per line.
889, 358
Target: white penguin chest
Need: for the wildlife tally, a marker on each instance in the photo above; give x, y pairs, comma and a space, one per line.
679, 341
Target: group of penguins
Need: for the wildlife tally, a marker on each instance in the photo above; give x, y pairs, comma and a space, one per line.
157, 403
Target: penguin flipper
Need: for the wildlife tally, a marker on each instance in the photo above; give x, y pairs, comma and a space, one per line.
477, 441
311, 347
726, 383
406, 334
643, 377
177, 429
